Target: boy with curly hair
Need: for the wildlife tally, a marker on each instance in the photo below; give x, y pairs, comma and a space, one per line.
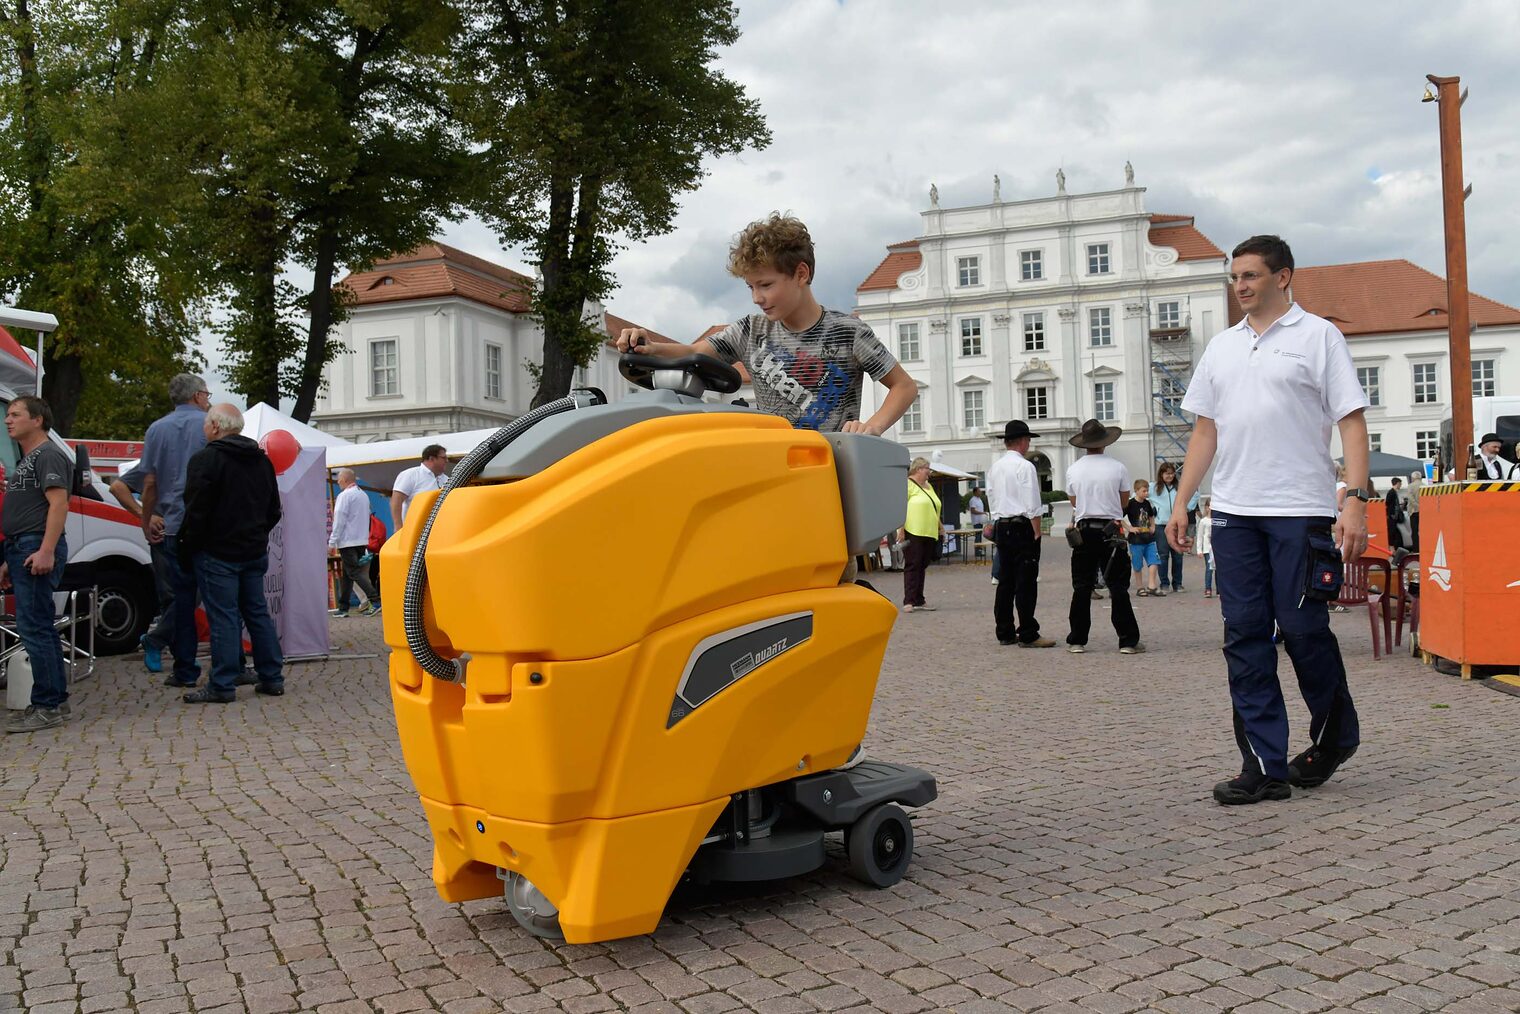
808, 362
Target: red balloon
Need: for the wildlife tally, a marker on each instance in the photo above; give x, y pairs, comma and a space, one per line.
282, 448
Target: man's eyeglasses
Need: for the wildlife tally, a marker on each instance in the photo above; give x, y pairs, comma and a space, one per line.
1250, 276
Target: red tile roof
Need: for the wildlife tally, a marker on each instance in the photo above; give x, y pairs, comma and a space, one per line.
1178, 232
901, 258
1383, 297
434, 270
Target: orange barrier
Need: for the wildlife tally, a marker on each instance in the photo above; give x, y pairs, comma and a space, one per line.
1470, 572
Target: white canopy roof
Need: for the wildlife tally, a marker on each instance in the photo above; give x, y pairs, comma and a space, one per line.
259, 420
377, 464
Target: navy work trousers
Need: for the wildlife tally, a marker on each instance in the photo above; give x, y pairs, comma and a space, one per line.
1261, 565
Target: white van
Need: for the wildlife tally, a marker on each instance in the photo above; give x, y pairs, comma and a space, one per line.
106, 543
1499, 415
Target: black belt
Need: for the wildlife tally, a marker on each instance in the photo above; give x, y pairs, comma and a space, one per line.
1098, 522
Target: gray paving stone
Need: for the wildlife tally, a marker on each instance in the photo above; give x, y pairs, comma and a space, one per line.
1073, 862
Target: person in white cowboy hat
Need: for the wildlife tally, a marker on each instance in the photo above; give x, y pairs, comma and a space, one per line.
1098, 486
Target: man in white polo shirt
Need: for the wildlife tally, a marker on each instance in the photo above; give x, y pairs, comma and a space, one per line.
432, 473
1266, 393
1013, 495
1099, 489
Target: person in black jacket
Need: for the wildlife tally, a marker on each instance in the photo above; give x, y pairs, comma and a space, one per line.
232, 502
1393, 508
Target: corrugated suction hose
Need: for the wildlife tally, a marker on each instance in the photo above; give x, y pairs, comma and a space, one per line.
451, 670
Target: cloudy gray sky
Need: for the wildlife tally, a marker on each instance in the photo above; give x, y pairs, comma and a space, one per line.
1297, 118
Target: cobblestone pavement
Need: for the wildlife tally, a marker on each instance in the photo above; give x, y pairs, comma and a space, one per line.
271, 856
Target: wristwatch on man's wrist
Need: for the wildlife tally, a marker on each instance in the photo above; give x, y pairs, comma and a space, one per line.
1360, 494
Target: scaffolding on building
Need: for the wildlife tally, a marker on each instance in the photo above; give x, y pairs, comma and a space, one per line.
1171, 348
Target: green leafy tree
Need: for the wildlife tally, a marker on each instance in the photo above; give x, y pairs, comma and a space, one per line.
593, 117
70, 245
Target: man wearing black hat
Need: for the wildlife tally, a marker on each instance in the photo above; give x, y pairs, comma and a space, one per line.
1490, 465
1099, 489
1013, 493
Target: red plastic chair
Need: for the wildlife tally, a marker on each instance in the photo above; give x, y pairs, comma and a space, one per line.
1409, 599
1360, 588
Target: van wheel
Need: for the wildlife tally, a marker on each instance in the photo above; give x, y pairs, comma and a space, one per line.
124, 608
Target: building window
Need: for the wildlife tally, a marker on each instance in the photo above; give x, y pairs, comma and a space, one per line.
974, 409
1424, 383
1483, 378
493, 371
1097, 258
1103, 400
907, 343
1034, 332
1427, 443
1036, 403
1371, 380
1100, 326
1032, 265
1169, 393
1375, 441
913, 419
970, 270
1169, 315
382, 368
971, 336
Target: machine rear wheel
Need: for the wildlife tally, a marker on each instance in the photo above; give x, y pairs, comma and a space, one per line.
880, 844
533, 912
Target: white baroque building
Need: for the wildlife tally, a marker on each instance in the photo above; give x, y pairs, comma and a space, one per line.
436, 343
1054, 311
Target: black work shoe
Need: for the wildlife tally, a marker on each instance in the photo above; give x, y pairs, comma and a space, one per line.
206, 695
269, 690
1251, 787
245, 679
1314, 766
172, 682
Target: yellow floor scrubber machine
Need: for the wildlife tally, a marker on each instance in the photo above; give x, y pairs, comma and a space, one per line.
625, 655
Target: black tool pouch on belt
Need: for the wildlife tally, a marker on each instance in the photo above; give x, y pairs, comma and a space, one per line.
1326, 569
1074, 537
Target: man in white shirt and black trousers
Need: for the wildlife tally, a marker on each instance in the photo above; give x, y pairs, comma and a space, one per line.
1266, 393
350, 537
1099, 489
1013, 495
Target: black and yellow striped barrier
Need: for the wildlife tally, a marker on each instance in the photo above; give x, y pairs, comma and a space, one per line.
1471, 486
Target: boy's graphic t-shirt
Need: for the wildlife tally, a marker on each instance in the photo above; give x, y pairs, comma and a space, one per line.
810, 378
1142, 518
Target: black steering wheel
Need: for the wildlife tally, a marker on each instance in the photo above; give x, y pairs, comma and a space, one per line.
715, 374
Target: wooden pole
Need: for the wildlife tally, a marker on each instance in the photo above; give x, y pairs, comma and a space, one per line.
1459, 328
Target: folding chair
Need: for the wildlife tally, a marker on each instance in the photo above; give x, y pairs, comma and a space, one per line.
1359, 588
1409, 600
74, 605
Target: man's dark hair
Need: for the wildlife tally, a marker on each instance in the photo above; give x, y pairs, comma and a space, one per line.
1270, 249
432, 451
1397, 481
37, 409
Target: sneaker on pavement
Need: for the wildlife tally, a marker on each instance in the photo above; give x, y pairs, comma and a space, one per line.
1038, 642
370, 610
206, 695
1096, 594
35, 719
270, 690
1076, 649
341, 614
1251, 787
1314, 766
153, 657
1158, 593
1138, 648
994, 580
245, 679
173, 681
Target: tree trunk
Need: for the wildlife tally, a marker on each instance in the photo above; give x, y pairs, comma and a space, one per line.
560, 291
62, 387
321, 322
263, 382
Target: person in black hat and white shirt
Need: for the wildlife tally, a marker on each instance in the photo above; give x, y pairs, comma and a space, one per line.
1013, 494
1099, 489
1490, 465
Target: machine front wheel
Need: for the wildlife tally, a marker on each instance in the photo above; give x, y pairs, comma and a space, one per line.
533, 912
880, 844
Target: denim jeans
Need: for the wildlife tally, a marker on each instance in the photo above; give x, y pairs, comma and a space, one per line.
232, 593
1208, 571
161, 634
183, 641
1164, 554
1261, 564
35, 613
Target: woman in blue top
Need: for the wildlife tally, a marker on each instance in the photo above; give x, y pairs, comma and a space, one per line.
1164, 496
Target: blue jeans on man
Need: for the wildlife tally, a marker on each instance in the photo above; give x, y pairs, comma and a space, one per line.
35, 613
183, 641
1261, 567
161, 634
232, 593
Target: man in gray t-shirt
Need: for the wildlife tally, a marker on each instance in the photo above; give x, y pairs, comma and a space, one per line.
26, 505
810, 378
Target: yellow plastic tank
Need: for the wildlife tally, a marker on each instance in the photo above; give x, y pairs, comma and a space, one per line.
582, 595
